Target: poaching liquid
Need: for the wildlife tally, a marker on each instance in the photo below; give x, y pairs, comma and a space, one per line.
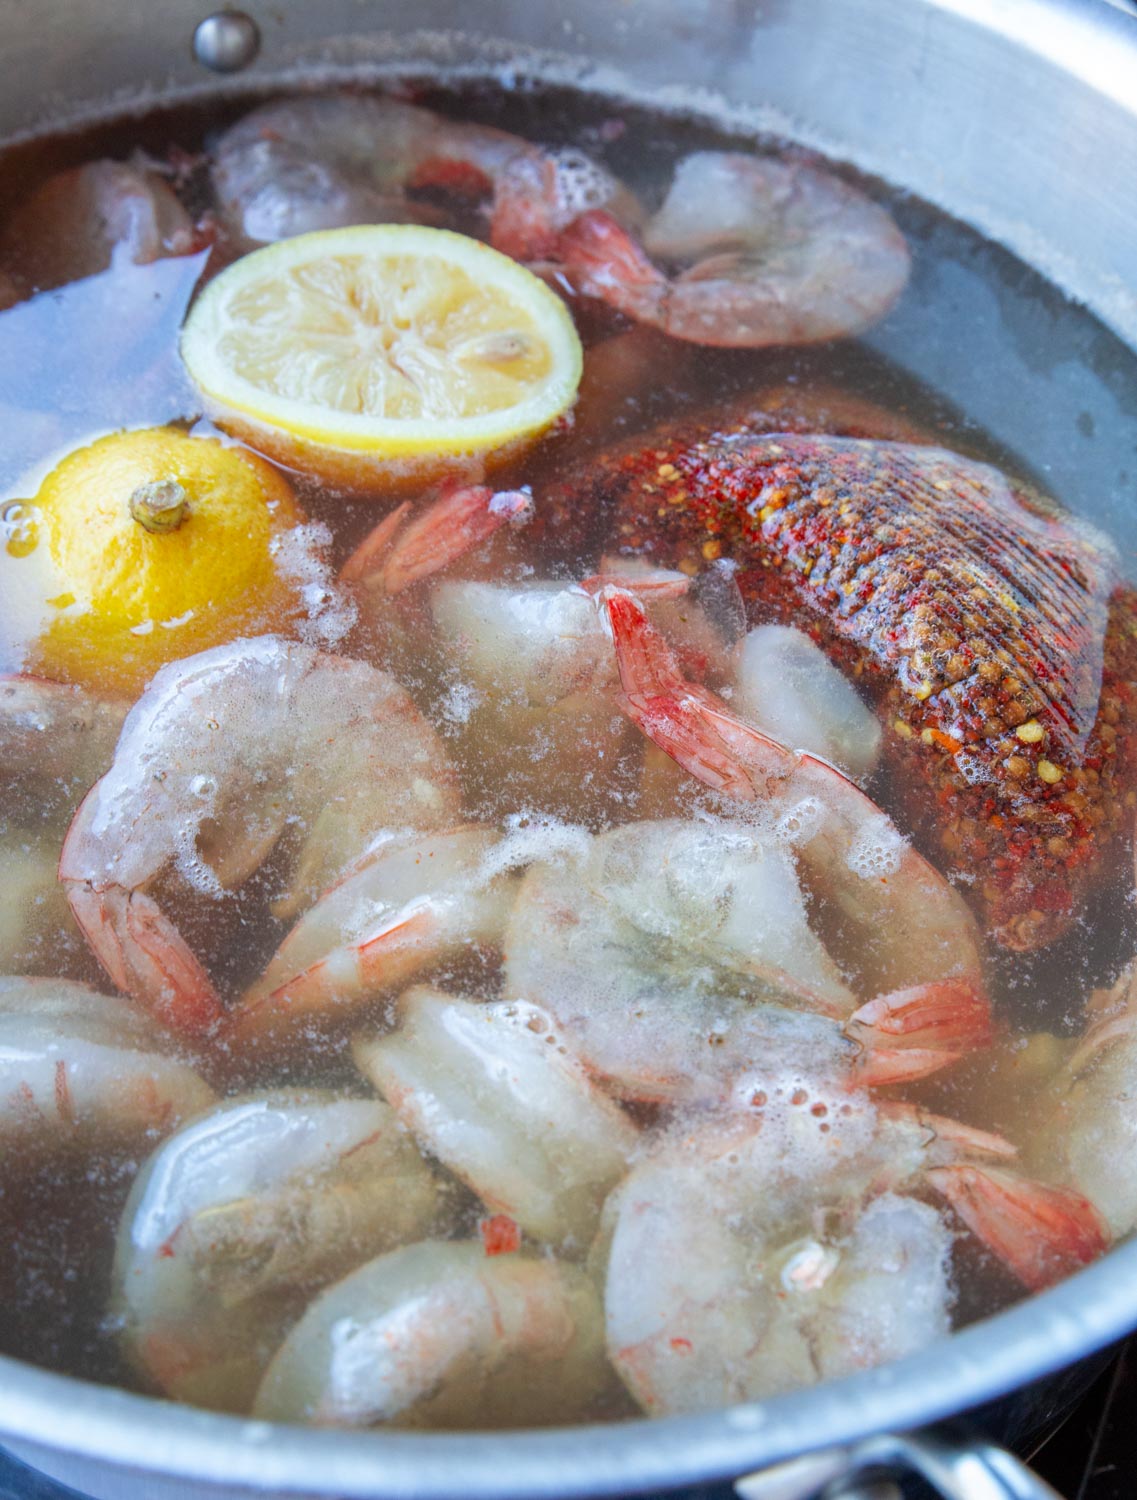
979, 355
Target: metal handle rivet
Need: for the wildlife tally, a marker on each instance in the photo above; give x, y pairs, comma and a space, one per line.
226, 41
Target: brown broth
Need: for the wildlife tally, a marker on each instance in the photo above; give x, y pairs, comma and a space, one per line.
980, 351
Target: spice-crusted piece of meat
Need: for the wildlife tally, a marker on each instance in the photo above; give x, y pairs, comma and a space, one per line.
991, 631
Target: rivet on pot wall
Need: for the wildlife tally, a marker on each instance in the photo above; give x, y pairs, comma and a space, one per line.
226, 41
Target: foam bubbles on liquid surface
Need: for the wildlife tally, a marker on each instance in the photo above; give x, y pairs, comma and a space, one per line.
301, 559
530, 838
877, 850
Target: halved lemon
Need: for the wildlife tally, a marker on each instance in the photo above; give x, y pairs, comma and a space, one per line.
145, 546
382, 354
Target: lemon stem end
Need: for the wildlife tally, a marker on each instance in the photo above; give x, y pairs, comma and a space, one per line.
160, 506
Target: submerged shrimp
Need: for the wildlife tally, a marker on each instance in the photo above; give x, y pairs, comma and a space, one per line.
406, 904
400, 552
785, 685
1090, 1125
82, 220
82, 1070
441, 1335
54, 738
493, 1093
773, 252
241, 1216
533, 679
325, 161
223, 754
675, 952
55, 742
918, 943
1093, 1125
781, 1244
525, 663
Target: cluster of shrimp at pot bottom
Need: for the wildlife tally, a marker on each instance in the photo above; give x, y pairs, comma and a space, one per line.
588, 1067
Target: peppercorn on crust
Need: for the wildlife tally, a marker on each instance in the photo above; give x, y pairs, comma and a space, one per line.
991, 630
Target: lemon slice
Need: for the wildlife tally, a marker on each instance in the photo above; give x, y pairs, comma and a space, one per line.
381, 352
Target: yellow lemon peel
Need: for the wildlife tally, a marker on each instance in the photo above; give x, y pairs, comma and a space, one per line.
153, 545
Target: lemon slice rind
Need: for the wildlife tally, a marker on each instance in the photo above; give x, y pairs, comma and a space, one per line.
220, 316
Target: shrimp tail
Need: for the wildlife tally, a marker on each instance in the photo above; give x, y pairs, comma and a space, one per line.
910, 1033
662, 704
365, 562
146, 956
1040, 1233
603, 260
379, 962
460, 519
524, 210
687, 721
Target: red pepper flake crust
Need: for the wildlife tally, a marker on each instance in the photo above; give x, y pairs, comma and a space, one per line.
990, 630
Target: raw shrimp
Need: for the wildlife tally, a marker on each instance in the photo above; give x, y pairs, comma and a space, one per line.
409, 902
674, 952
782, 684
80, 1070
400, 552
916, 937
224, 753
1089, 1134
241, 1216
526, 663
492, 1091
779, 1244
87, 218
439, 1335
38, 934
321, 162
54, 738
531, 676
785, 685
55, 741
775, 252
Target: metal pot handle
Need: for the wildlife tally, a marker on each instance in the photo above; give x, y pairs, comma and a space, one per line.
957, 1462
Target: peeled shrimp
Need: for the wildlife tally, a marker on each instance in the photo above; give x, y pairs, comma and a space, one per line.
676, 951
1088, 1135
87, 218
401, 552
917, 944
440, 1335
408, 903
773, 252
38, 934
321, 162
241, 1216
779, 1245
785, 685
532, 675
80, 1070
55, 740
492, 1091
223, 754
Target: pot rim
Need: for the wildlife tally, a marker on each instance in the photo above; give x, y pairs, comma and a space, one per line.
1085, 1313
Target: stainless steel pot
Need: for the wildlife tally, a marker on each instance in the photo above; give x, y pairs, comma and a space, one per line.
1017, 116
